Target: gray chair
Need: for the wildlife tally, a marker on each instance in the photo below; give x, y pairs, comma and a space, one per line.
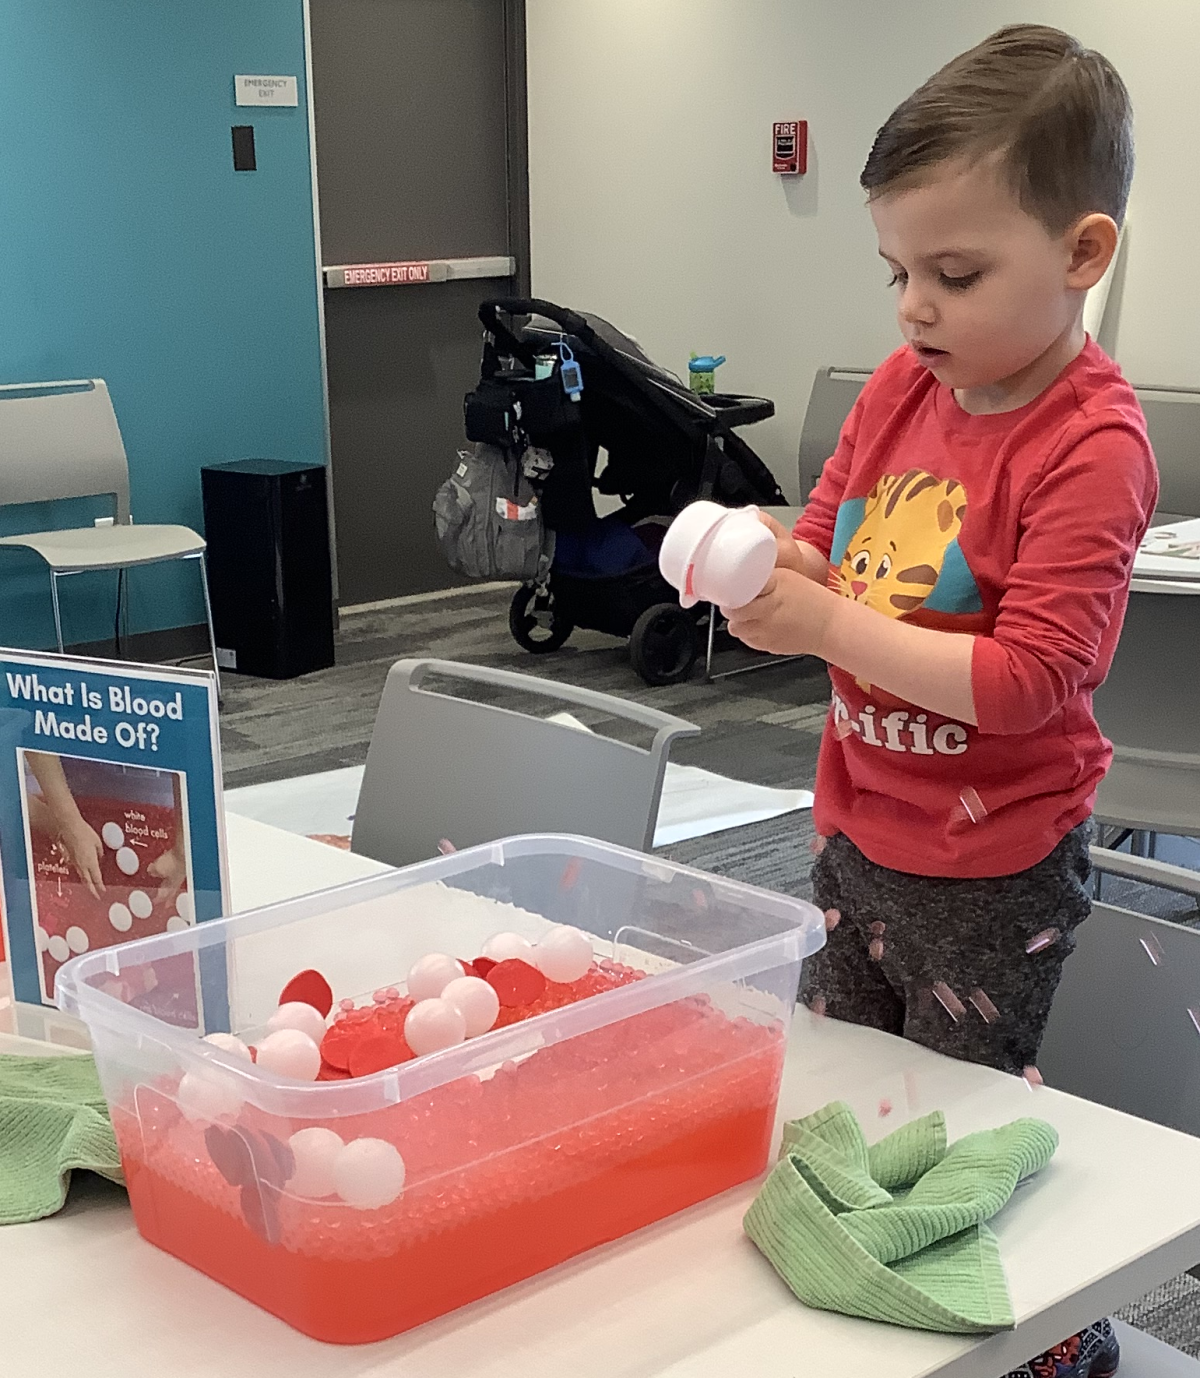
1173, 424
444, 767
1124, 1029
1149, 708
834, 392
60, 441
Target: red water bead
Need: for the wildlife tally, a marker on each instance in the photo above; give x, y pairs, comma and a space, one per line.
310, 988
516, 982
376, 1051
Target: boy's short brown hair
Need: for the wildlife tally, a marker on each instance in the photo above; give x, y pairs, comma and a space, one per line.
1056, 114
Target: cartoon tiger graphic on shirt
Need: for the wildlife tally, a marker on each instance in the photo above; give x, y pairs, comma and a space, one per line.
894, 557
897, 551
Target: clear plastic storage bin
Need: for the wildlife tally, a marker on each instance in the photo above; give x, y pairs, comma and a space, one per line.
521, 1147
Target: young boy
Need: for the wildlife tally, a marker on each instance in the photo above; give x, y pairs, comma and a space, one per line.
963, 566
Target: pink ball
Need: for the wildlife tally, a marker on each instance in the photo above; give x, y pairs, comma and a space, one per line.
564, 954
503, 947
290, 1053
428, 977
432, 1025
295, 1014
476, 1001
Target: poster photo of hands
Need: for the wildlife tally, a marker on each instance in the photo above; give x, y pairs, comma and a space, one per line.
111, 825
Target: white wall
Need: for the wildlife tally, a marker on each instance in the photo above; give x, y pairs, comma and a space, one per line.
653, 202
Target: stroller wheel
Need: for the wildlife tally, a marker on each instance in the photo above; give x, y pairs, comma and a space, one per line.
535, 622
663, 645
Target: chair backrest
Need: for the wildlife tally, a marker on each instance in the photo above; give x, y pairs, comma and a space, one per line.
1173, 424
1147, 707
834, 393
61, 440
440, 766
1124, 1029
1151, 698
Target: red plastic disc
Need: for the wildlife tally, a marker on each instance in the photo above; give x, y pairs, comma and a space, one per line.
516, 982
482, 966
374, 1052
311, 988
330, 1073
339, 1040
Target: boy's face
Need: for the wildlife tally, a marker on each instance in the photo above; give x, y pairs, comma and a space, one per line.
982, 286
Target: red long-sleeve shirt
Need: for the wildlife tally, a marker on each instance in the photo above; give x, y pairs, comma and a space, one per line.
1019, 528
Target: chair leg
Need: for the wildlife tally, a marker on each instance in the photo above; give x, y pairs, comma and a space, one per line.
212, 635
57, 610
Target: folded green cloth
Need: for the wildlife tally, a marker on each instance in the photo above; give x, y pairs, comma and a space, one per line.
895, 1232
53, 1119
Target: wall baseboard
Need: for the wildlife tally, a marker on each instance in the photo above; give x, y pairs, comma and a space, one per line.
155, 648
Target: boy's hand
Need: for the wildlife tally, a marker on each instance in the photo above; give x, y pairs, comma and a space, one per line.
787, 552
789, 617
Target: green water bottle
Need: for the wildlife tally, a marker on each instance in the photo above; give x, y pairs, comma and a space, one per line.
702, 372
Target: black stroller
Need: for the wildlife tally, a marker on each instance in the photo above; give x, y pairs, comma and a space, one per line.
666, 446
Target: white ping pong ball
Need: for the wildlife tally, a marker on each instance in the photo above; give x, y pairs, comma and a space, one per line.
504, 947
369, 1173
476, 1001
290, 1053
564, 954
429, 976
432, 1025
295, 1014
316, 1150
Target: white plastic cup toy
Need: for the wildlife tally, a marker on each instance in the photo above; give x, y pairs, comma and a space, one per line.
713, 554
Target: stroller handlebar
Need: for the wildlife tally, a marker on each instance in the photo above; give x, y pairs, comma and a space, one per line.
571, 322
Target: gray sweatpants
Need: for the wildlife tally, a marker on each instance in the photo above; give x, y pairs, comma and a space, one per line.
966, 967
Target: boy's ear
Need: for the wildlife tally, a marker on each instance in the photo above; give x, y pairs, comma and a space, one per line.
1091, 243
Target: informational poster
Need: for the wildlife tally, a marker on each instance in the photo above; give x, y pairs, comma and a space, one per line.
111, 820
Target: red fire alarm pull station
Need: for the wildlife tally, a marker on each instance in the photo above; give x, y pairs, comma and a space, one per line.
789, 146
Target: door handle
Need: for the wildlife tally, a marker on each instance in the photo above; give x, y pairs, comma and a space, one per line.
412, 271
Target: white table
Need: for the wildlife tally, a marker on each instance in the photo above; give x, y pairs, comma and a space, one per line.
1116, 1212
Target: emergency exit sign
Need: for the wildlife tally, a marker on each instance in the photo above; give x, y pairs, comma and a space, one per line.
386, 274
266, 90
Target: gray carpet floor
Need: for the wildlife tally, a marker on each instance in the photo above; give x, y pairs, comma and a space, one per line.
763, 727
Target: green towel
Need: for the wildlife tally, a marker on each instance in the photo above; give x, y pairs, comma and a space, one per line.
53, 1119
895, 1232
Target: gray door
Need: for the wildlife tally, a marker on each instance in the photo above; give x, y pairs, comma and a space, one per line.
419, 108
